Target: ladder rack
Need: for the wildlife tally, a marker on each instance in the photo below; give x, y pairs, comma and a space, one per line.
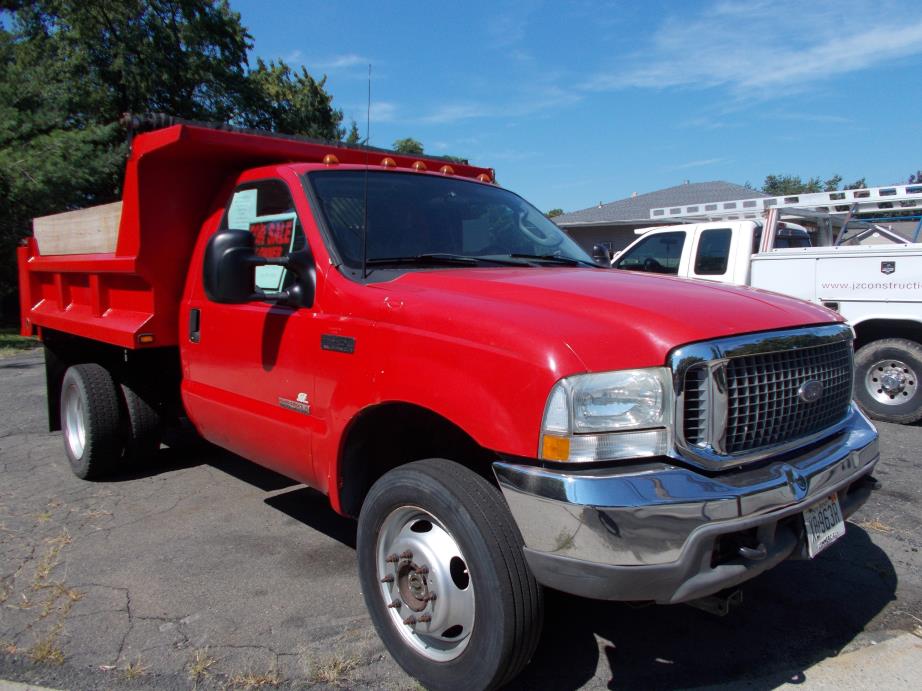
892, 199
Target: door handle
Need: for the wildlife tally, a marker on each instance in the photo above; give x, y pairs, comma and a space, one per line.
195, 322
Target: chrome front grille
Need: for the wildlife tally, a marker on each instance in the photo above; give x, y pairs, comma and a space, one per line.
764, 407
742, 398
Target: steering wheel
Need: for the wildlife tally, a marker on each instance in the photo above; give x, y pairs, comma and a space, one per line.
545, 241
651, 265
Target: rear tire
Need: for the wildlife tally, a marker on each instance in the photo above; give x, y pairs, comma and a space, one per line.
483, 625
91, 421
145, 426
886, 380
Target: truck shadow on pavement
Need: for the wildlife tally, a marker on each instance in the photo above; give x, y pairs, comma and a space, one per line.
792, 617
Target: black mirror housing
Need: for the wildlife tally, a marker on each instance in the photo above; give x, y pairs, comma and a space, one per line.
601, 255
229, 272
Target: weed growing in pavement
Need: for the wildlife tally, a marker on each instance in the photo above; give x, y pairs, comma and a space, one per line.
134, 670
201, 662
255, 680
333, 670
875, 524
46, 650
8, 648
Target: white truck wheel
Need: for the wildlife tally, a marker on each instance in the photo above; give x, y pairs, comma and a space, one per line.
887, 383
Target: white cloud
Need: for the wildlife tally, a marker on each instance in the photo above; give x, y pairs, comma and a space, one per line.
338, 62
698, 164
761, 48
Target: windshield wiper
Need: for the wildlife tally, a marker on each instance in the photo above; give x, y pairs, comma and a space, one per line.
554, 258
443, 258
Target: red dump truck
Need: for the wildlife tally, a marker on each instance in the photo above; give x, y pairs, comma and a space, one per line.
498, 411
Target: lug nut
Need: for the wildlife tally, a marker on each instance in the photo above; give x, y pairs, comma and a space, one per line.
424, 618
388, 579
395, 604
392, 559
410, 620
407, 554
422, 570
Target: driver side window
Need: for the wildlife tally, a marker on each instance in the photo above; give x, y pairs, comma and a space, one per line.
265, 208
655, 254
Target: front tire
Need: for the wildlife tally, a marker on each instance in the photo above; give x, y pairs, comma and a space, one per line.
886, 380
91, 420
444, 577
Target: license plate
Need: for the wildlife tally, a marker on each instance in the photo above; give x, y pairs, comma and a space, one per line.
824, 524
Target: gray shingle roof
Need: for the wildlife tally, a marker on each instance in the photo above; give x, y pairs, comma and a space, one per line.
638, 208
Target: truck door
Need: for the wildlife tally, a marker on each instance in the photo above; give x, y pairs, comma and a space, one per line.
246, 384
712, 258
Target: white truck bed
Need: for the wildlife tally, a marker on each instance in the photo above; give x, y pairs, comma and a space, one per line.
869, 273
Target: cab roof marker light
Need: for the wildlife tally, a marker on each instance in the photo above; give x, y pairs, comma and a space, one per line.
388, 162
485, 177
330, 160
419, 166
447, 170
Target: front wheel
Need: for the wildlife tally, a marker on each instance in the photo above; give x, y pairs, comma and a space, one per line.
887, 383
444, 577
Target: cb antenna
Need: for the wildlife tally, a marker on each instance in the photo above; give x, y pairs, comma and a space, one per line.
365, 192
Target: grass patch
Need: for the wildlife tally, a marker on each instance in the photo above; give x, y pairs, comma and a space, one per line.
201, 662
255, 680
333, 670
11, 343
46, 651
134, 670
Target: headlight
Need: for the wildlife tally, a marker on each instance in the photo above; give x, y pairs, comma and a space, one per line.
609, 415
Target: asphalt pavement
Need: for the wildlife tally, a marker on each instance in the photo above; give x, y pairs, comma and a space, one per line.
203, 570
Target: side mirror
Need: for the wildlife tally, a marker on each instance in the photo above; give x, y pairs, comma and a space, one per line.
229, 272
601, 255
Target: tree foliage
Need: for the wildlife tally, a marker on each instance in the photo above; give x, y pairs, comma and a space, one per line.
784, 185
408, 146
915, 178
70, 68
553, 213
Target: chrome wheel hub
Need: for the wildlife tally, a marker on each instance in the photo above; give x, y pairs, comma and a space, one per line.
74, 423
891, 382
425, 583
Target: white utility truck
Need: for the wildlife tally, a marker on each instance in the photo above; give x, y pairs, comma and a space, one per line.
877, 288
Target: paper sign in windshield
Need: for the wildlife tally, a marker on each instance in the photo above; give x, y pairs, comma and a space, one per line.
272, 238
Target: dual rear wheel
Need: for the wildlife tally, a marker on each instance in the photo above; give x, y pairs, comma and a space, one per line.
104, 423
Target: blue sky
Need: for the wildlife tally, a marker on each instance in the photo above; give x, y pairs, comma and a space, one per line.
579, 102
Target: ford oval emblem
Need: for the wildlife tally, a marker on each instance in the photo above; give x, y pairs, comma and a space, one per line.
810, 391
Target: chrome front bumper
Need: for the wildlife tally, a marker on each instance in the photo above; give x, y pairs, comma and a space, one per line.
656, 531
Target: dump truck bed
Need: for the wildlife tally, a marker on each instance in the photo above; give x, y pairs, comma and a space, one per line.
115, 273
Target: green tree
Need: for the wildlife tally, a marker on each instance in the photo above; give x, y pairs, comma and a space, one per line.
915, 178
408, 146
70, 68
353, 137
858, 184
832, 184
553, 213
279, 99
783, 185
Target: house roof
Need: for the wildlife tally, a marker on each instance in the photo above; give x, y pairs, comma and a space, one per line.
638, 208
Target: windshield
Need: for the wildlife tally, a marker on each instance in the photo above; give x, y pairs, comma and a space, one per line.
431, 219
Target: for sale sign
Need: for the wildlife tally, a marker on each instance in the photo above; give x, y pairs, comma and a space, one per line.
272, 238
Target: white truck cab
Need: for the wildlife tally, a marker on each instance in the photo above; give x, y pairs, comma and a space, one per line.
716, 251
877, 288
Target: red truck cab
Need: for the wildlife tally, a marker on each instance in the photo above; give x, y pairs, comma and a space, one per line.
498, 411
